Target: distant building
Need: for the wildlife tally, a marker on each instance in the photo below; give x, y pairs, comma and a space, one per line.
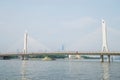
62, 48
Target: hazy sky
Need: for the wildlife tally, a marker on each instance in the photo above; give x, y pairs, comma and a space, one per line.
76, 24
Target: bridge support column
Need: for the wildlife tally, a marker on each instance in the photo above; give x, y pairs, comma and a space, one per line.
23, 57
108, 58
102, 58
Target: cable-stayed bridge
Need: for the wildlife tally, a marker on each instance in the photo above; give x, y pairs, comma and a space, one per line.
105, 50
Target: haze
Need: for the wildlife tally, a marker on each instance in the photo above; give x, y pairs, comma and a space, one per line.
76, 24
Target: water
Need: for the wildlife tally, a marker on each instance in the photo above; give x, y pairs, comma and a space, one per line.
58, 70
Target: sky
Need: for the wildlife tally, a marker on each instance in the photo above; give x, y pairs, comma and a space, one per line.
50, 24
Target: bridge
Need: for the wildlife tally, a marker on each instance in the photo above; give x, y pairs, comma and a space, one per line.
105, 50
101, 54
65, 53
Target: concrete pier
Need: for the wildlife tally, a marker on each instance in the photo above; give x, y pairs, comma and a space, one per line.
108, 58
102, 58
23, 57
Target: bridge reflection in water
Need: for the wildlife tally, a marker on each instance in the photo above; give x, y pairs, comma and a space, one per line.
105, 70
106, 74
23, 70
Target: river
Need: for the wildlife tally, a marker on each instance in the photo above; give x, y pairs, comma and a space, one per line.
58, 70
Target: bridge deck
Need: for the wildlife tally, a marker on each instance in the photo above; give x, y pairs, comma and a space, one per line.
66, 53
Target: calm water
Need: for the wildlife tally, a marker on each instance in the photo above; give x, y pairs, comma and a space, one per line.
58, 70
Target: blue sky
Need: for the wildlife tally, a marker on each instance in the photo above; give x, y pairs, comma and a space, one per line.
50, 23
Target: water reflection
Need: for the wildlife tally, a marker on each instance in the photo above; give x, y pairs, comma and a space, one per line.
23, 70
106, 74
72, 69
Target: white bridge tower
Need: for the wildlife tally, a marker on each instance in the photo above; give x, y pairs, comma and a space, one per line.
23, 57
104, 37
104, 41
25, 42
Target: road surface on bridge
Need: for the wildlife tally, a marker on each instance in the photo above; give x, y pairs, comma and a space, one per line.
65, 53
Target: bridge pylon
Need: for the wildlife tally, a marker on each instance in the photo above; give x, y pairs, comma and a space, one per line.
25, 46
104, 41
104, 37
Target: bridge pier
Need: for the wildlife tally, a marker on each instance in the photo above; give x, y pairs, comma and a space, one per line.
102, 58
23, 57
108, 58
